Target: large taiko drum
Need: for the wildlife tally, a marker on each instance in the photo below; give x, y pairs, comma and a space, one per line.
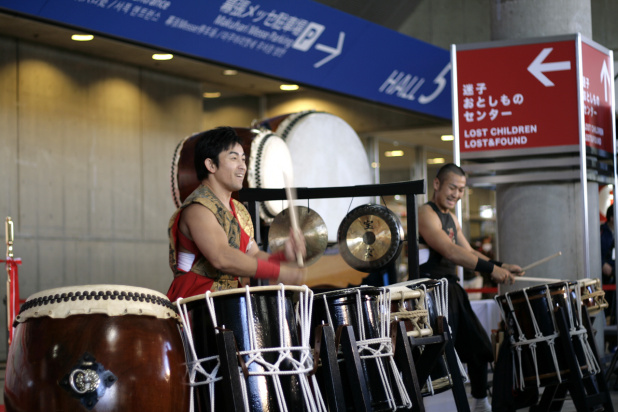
419, 303
325, 152
592, 295
532, 328
367, 310
268, 157
97, 348
270, 326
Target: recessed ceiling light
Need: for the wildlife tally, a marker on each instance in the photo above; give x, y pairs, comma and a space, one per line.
394, 153
375, 165
230, 72
447, 137
162, 56
82, 37
211, 95
289, 87
435, 161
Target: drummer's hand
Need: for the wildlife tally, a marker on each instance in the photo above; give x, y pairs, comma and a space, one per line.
289, 275
502, 275
295, 245
514, 269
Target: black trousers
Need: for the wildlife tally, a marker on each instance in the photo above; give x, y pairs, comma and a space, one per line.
469, 337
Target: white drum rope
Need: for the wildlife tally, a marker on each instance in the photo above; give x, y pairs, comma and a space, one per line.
195, 365
442, 299
580, 331
301, 367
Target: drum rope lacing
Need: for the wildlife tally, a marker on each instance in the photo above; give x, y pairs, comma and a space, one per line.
196, 366
301, 367
442, 298
580, 331
384, 346
418, 317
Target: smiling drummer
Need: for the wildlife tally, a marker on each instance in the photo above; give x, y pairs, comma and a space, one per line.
211, 234
443, 246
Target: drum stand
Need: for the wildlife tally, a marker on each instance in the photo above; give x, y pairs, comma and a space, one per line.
589, 393
416, 374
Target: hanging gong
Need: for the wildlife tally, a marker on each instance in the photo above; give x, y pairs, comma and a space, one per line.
310, 224
370, 237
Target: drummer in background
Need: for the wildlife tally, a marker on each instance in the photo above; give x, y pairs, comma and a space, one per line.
211, 234
443, 246
608, 259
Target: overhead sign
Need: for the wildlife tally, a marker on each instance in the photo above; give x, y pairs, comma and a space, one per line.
514, 99
301, 41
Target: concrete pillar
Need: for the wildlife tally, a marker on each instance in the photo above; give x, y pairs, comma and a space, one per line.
536, 220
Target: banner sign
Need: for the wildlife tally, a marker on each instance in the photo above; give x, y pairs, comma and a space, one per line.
299, 41
514, 99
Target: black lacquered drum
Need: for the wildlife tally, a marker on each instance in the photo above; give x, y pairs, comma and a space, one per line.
270, 326
419, 303
97, 348
531, 325
366, 309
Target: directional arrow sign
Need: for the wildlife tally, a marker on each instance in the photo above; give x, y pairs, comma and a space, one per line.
538, 67
606, 80
333, 52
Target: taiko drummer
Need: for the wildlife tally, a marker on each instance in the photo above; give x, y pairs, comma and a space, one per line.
442, 247
211, 234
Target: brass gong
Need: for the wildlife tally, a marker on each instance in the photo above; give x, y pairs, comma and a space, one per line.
370, 237
310, 224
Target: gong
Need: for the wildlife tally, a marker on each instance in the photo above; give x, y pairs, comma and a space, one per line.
310, 224
370, 237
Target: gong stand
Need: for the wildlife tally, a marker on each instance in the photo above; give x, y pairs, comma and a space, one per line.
589, 393
409, 189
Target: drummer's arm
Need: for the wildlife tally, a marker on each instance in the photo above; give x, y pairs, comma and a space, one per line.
210, 238
462, 254
212, 241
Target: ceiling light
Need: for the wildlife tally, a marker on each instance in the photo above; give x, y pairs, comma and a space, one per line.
289, 87
394, 153
82, 37
162, 56
211, 95
230, 72
375, 165
447, 137
435, 161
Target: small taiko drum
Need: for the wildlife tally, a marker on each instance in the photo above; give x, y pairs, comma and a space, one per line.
268, 157
325, 152
420, 315
533, 330
97, 348
592, 295
367, 310
271, 327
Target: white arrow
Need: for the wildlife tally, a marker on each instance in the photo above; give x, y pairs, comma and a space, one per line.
605, 79
334, 52
537, 67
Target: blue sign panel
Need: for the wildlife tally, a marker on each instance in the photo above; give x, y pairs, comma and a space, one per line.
300, 41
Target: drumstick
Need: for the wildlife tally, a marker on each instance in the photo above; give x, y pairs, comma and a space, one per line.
293, 218
538, 262
531, 279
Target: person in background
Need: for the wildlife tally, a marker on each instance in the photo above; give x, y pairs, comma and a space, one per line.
443, 246
608, 259
211, 234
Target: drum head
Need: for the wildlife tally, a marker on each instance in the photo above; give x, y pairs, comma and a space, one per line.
370, 237
268, 157
326, 152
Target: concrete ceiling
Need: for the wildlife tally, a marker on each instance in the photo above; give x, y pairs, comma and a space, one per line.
388, 13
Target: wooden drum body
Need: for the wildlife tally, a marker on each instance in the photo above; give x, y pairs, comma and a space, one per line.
98, 348
270, 326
